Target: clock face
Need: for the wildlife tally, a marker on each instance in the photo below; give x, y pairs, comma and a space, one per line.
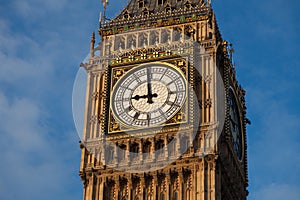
235, 125
148, 95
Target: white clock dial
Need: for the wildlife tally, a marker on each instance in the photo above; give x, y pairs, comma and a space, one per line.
148, 95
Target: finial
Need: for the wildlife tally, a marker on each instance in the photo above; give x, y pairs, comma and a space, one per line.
105, 3
92, 45
230, 51
93, 38
225, 43
208, 2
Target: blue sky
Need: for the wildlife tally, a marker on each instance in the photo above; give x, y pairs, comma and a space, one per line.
42, 43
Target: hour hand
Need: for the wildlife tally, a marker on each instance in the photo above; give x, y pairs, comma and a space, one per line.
137, 97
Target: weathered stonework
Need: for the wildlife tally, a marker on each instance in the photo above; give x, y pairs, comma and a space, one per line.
183, 33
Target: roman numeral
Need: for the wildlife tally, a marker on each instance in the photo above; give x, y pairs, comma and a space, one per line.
177, 91
173, 81
170, 103
136, 116
126, 99
128, 109
163, 74
127, 88
148, 118
162, 113
137, 78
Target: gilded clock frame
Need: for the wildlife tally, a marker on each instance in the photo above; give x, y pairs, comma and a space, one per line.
116, 72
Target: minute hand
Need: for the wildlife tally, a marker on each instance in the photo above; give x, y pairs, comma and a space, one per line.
149, 95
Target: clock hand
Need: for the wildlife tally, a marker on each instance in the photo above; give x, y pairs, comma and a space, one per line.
149, 95
137, 97
149, 86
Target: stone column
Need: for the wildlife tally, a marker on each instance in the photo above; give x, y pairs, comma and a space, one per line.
140, 151
166, 153
180, 183
155, 179
168, 184
127, 153
117, 186
129, 184
141, 185
101, 188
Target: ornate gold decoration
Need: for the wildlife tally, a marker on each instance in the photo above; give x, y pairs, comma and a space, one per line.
118, 73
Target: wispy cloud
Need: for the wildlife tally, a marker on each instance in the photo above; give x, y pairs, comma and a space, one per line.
31, 160
277, 192
37, 8
41, 45
40, 154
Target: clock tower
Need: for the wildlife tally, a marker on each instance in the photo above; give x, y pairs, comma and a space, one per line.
165, 117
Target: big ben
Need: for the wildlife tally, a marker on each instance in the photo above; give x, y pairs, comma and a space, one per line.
165, 117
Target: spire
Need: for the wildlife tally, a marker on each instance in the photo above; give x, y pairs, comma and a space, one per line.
92, 44
103, 17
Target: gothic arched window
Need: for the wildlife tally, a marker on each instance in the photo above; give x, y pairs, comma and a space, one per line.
141, 3
134, 149
184, 144
172, 147
187, 5
177, 34
162, 196
145, 12
176, 196
168, 9
154, 38
165, 36
122, 151
126, 15
160, 2
110, 154
159, 144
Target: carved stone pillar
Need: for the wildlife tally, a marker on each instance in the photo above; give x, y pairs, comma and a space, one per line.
140, 152
90, 187
117, 187
142, 186
180, 183
152, 149
101, 188
166, 147
127, 153
155, 182
168, 184
130, 185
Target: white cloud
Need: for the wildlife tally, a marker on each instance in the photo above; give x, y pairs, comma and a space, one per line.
276, 127
20, 123
36, 151
22, 58
277, 192
32, 163
34, 50
38, 8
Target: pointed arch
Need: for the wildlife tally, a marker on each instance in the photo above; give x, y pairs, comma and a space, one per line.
141, 3
168, 8
187, 5
145, 12
126, 14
